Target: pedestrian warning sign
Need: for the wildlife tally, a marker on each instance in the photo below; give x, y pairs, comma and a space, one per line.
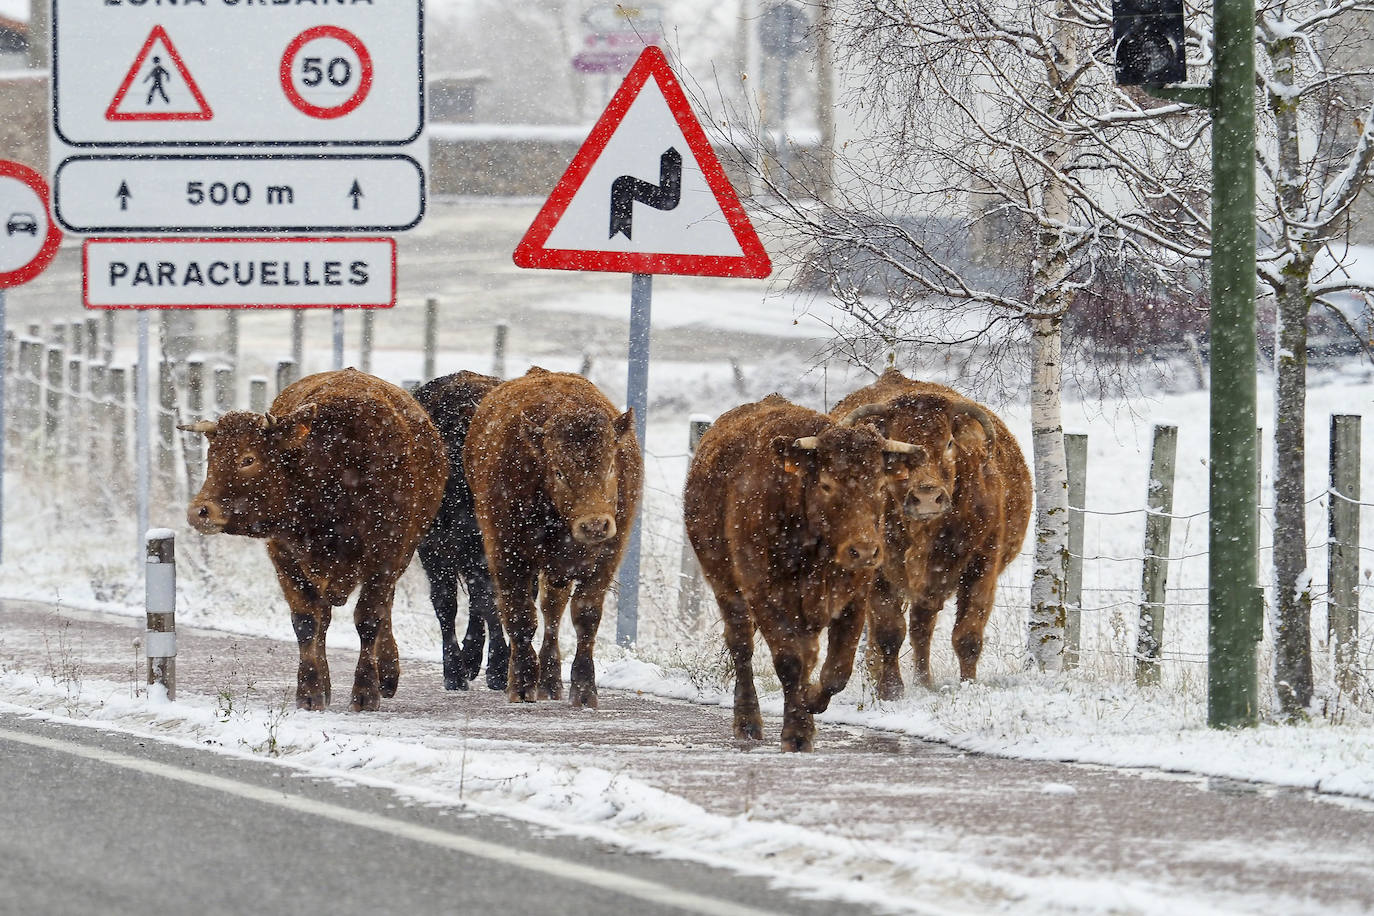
158, 86
646, 193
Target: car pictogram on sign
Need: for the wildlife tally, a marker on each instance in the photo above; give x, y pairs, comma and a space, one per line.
21, 222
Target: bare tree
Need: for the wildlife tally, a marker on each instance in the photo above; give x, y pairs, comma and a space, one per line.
1316, 147
998, 171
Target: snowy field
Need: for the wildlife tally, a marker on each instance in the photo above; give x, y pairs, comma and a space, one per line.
69, 541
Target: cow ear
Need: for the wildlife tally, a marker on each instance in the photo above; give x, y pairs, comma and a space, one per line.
623, 424
531, 432
292, 430
793, 454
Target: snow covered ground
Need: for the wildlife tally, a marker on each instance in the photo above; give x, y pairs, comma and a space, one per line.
71, 543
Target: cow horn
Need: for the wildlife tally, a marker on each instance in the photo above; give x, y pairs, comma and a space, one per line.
200, 426
984, 419
900, 448
863, 412
809, 443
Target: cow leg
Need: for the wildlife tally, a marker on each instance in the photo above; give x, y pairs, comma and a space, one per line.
798, 726
977, 590
587, 602
739, 642
553, 597
886, 630
310, 616
482, 613
922, 627
379, 663
839, 659
515, 601
442, 573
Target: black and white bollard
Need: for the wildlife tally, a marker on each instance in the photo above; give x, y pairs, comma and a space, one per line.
160, 641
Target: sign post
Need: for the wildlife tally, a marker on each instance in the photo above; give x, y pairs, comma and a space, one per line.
644, 195
28, 243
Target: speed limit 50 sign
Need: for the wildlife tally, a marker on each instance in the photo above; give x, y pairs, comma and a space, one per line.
237, 72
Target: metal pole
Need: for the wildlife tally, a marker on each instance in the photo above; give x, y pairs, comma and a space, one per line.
142, 429
338, 338
3, 369
160, 601
637, 394
1235, 601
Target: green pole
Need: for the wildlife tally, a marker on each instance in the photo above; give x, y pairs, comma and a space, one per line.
1235, 602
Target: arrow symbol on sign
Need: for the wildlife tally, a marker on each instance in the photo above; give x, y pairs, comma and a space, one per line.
665, 195
123, 195
356, 193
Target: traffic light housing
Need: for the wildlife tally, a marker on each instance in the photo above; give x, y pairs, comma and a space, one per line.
1148, 38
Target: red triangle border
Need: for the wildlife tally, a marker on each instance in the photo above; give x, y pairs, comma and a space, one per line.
754, 263
113, 114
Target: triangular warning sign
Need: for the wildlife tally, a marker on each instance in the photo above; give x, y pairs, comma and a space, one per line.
165, 90
646, 193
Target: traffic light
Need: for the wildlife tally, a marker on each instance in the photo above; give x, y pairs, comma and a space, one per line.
1148, 36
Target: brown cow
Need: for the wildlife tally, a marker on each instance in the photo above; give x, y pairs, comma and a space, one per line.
784, 509
952, 526
342, 478
555, 476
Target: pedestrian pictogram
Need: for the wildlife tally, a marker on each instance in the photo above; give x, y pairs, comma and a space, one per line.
648, 173
158, 86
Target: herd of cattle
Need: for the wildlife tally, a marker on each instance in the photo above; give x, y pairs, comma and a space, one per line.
905, 494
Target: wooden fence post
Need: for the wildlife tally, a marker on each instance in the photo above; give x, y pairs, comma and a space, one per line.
192, 443
97, 424
297, 339
286, 374
257, 394
231, 336
166, 430
75, 413
498, 350
119, 423
1159, 499
225, 389
1076, 454
160, 599
52, 418
93, 340
1343, 551
431, 336
689, 578
107, 338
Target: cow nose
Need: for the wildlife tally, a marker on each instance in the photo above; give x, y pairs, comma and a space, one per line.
593, 529
206, 517
860, 553
926, 502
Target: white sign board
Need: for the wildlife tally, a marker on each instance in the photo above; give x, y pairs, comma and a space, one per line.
239, 193
237, 72
240, 273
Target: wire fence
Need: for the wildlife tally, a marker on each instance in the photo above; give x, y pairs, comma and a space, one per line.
69, 420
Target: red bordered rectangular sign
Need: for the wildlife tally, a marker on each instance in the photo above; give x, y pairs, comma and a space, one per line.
238, 273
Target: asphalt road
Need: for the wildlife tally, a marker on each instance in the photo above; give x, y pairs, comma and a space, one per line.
105, 823
952, 832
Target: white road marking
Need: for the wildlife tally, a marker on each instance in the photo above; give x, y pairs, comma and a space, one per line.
660, 894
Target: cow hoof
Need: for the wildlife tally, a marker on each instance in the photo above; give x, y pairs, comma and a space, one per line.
551, 691
521, 696
496, 680
370, 701
312, 701
749, 729
455, 683
582, 696
802, 743
388, 690
891, 691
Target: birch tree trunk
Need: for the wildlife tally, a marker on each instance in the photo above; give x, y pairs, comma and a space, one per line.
1045, 631
1292, 612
